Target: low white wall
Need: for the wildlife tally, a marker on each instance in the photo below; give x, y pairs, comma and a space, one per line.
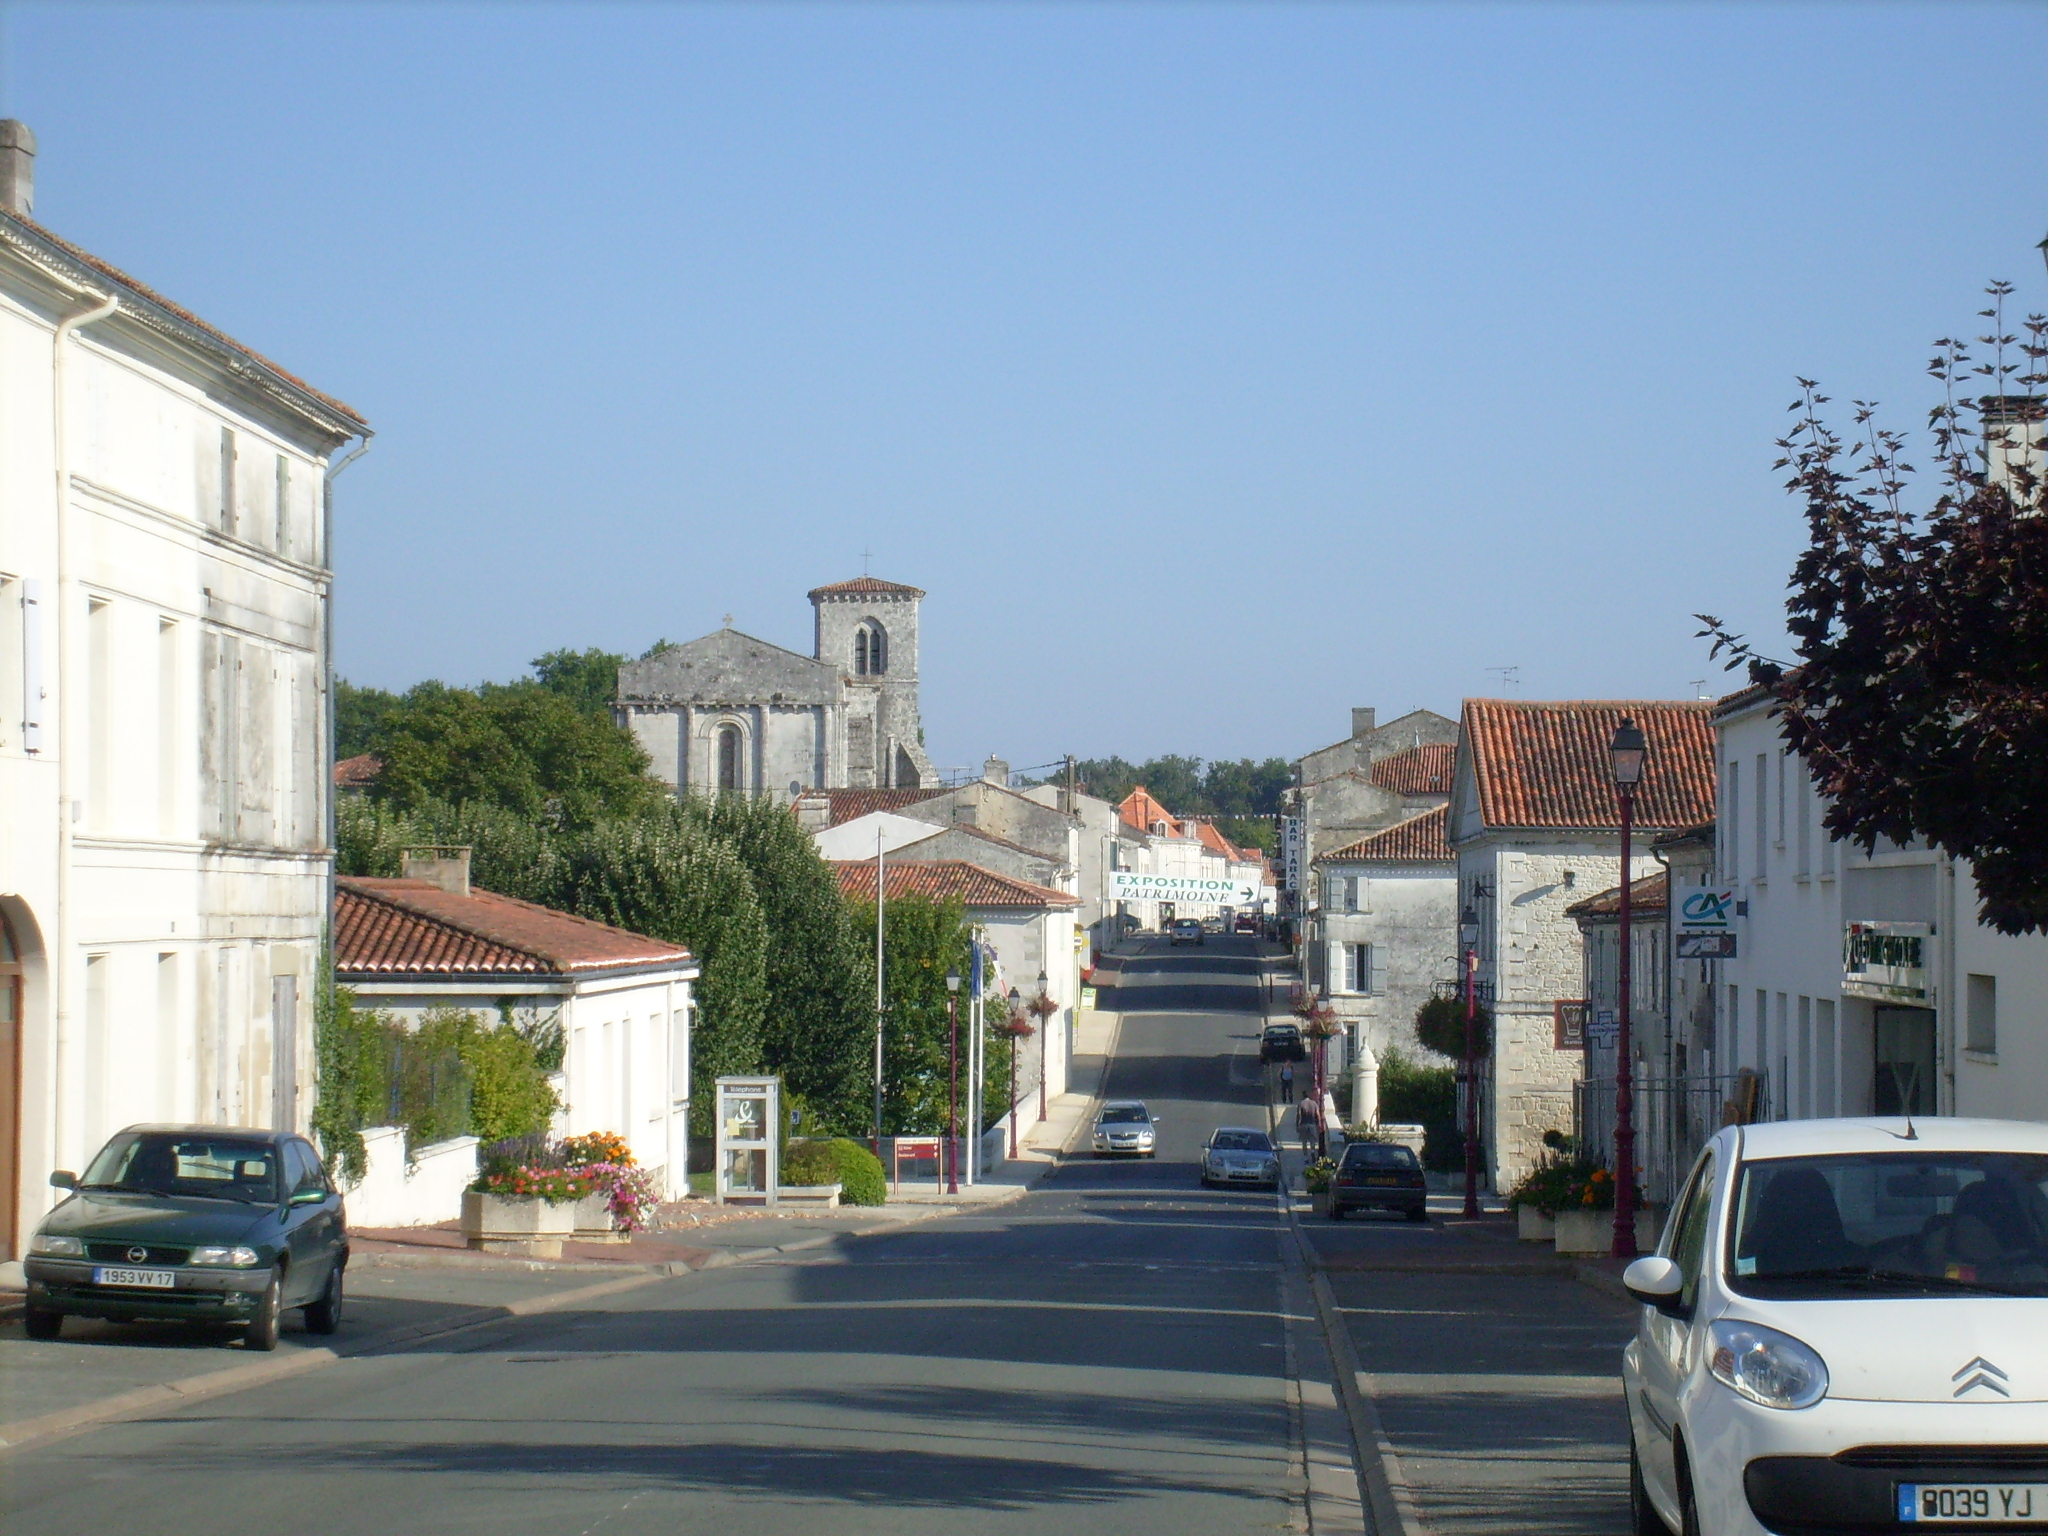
395, 1194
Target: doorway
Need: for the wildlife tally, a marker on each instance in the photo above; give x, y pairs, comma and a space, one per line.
1905, 1062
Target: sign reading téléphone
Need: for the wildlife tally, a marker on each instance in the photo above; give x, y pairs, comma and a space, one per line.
1128, 885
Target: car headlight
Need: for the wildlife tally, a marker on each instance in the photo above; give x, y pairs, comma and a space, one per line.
1766, 1366
225, 1258
56, 1247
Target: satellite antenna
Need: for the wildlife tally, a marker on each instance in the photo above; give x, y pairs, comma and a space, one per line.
1699, 687
1510, 678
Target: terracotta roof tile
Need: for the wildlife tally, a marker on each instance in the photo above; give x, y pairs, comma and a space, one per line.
412, 928
151, 296
1545, 765
852, 804
1417, 771
355, 772
937, 879
1140, 810
866, 586
1648, 897
1418, 840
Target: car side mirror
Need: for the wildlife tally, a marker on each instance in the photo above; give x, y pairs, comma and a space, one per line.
63, 1178
307, 1197
1655, 1281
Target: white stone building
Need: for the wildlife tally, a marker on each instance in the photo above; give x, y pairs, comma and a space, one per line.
733, 713
1862, 983
1535, 825
164, 646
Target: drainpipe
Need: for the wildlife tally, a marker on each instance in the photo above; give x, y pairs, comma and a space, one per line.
103, 305
329, 728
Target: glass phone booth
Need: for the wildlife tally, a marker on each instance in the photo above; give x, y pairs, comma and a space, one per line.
749, 1162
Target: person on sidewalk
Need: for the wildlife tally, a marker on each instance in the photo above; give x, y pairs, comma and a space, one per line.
1287, 1081
1308, 1125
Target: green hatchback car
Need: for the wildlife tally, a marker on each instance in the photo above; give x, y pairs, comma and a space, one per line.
192, 1223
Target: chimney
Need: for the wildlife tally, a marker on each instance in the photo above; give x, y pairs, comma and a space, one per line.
446, 867
17, 167
2016, 445
814, 813
996, 771
1362, 721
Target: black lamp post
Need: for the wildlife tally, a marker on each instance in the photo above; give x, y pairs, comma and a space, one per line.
1016, 1013
1044, 1029
1468, 941
1625, 754
952, 1081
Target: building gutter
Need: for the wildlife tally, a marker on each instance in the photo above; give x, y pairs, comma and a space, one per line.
102, 305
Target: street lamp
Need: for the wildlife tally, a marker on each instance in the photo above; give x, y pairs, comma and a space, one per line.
953, 1080
1625, 754
1016, 1017
1468, 940
1044, 1008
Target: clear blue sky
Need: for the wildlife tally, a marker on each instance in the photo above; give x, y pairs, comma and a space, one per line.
1215, 368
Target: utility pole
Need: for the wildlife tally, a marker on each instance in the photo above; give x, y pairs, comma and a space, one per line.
881, 896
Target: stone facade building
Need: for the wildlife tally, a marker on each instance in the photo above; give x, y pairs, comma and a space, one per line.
730, 712
1386, 930
1536, 828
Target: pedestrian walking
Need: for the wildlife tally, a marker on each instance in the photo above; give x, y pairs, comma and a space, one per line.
1287, 1081
1308, 1125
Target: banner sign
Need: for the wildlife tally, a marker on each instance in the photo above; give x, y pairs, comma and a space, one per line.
1128, 885
1290, 852
1887, 961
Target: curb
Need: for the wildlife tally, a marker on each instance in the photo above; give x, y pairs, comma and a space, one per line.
142, 1401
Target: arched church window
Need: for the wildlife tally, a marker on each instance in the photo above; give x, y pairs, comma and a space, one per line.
860, 652
878, 650
729, 757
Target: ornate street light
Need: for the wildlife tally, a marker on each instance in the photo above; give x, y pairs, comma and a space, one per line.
1016, 1028
1626, 755
953, 1080
1044, 1007
1468, 941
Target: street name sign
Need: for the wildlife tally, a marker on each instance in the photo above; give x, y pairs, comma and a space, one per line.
1129, 885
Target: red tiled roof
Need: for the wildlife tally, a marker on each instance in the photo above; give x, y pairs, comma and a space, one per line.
151, 296
937, 879
866, 586
355, 772
1417, 771
412, 928
852, 804
1648, 897
1140, 810
1418, 840
1545, 765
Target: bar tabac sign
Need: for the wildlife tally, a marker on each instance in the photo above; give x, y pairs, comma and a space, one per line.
1887, 961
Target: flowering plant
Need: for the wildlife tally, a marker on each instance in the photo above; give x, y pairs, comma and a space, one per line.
597, 1147
1018, 1027
553, 1185
628, 1192
1315, 1178
1043, 1005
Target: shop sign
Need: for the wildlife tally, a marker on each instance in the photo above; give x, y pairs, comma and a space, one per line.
1887, 961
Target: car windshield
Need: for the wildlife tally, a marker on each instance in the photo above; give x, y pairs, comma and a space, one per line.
1892, 1224
1125, 1114
1187, 924
1241, 1141
1280, 1031
1378, 1155
179, 1163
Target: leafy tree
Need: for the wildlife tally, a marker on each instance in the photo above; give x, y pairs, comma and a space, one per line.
523, 747
589, 679
358, 715
1919, 694
921, 940
1244, 790
820, 972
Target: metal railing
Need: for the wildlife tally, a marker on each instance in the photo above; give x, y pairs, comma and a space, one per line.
1674, 1118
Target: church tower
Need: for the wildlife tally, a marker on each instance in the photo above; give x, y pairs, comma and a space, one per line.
867, 628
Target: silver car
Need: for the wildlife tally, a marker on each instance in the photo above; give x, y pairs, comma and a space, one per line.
1237, 1154
1124, 1127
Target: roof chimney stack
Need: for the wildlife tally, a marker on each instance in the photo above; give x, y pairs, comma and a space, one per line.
446, 867
1363, 720
17, 167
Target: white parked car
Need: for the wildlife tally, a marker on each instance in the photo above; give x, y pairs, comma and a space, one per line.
1846, 1329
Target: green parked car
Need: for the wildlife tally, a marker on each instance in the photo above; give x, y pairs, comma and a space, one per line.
193, 1223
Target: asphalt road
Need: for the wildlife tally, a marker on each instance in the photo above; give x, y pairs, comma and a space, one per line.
1107, 1354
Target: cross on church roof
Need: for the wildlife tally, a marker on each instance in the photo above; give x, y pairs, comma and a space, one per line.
728, 621
865, 556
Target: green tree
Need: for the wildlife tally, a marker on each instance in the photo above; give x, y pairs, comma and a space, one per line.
589, 679
921, 940
358, 715
820, 971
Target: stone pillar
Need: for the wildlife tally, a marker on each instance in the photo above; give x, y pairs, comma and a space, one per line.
1365, 1083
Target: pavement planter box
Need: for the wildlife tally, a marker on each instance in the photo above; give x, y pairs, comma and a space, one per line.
1592, 1232
594, 1223
1319, 1202
1532, 1226
531, 1228
808, 1194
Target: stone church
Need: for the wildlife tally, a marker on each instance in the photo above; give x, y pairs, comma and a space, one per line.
734, 713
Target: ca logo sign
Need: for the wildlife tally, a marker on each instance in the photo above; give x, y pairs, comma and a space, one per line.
1707, 909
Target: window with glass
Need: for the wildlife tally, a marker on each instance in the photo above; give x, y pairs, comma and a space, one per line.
180, 1164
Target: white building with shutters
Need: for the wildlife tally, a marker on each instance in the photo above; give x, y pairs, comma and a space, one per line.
164, 629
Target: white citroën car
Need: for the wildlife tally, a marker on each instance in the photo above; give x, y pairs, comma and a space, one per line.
1846, 1329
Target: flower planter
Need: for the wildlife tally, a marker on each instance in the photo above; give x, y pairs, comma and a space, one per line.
1586, 1233
1319, 1202
593, 1221
1532, 1226
808, 1194
526, 1226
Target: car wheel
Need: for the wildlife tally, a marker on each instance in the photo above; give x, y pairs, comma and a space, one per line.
1336, 1211
42, 1323
324, 1315
1688, 1510
1419, 1213
263, 1328
1643, 1519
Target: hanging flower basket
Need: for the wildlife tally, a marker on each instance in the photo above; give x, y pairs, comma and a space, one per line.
1017, 1027
1043, 1006
1440, 1025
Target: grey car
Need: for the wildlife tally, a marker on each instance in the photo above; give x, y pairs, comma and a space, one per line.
1237, 1154
1124, 1128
